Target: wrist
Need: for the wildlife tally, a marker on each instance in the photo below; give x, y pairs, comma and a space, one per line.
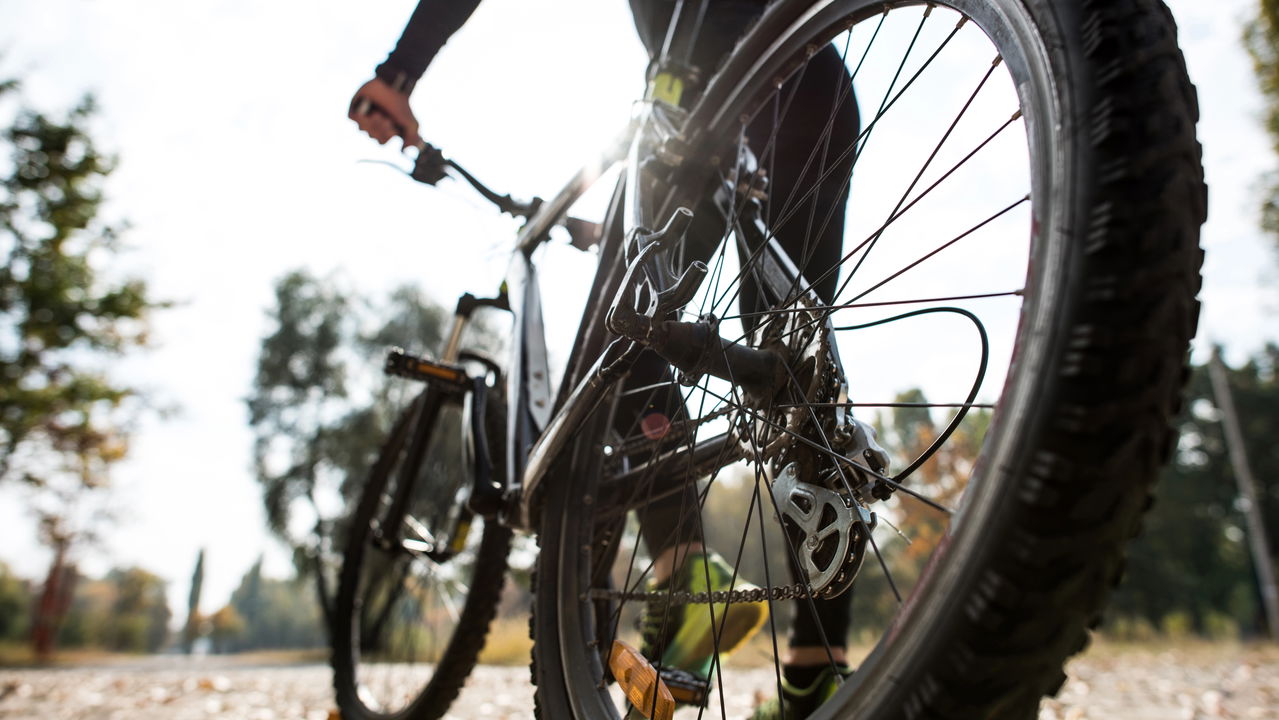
397, 79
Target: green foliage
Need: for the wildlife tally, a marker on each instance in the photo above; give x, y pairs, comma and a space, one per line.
225, 629
320, 407
126, 611
265, 613
60, 311
141, 612
63, 316
15, 606
1261, 38
1192, 559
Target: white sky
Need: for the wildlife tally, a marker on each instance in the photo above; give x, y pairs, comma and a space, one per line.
237, 163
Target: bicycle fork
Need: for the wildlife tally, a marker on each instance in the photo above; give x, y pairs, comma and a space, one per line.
446, 377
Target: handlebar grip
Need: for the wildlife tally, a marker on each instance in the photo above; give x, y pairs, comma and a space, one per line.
431, 165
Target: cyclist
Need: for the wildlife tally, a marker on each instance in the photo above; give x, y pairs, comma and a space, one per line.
683, 637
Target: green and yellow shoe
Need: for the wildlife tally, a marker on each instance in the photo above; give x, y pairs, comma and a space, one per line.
801, 702
684, 638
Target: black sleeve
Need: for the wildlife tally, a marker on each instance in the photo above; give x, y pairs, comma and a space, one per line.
433, 22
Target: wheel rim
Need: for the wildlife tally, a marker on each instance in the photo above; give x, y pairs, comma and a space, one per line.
881, 330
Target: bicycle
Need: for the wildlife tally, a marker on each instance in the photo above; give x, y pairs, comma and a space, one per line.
1012, 516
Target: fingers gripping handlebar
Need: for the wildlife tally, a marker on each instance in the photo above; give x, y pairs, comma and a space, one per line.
431, 166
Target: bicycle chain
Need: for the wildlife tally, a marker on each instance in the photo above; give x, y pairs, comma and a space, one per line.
632, 447
798, 591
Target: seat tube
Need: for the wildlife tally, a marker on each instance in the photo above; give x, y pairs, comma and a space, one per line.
681, 34
453, 347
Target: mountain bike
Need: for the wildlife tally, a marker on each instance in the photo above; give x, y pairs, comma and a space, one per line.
958, 421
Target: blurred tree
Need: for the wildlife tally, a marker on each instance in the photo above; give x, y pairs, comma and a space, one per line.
909, 530
63, 316
126, 611
191, 630
1192, 558
85, 621
247, 597
140, 614
225, 629
1261, 37
271, 614
320, 408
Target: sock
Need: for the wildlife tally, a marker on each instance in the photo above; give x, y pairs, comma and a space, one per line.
802, 677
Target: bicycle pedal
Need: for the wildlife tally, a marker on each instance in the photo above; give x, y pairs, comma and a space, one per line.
641, 684
685, 687
413, 367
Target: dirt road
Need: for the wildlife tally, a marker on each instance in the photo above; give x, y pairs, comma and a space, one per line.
1186, 683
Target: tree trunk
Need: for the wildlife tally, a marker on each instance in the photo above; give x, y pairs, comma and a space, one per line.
54, 600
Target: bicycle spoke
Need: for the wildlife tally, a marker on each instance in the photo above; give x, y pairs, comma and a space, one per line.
903, 211
768, 582
848, 486
924, 168
888, 303
984, 406
1023, 200
841, 458
792, 554
920, 206
855, 149
830, 310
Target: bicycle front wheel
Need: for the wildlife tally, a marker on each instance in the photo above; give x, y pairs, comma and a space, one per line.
1008, 300
415, 598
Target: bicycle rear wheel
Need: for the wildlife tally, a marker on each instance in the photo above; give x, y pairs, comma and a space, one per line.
410, 621
1012, 305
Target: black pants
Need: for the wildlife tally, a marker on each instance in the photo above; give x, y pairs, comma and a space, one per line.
811, 97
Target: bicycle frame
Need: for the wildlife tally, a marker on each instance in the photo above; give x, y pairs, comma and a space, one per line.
536, 430
539, 426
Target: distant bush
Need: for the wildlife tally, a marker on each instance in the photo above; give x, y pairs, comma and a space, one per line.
1221, 627
1131, 629
1177, 625
15, 606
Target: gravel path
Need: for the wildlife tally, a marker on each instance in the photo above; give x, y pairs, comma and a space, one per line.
1199, 682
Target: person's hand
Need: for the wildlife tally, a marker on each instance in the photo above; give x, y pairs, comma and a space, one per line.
384, 113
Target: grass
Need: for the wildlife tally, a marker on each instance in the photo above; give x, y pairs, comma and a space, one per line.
20, 655
508, 643
1103, 647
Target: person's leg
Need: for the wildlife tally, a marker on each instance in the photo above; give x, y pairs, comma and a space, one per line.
813, 237
687, 636
667, 525
822, 97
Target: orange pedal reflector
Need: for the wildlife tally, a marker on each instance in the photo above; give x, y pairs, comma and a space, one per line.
639, 681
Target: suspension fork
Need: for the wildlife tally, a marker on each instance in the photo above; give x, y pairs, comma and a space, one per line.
446, 382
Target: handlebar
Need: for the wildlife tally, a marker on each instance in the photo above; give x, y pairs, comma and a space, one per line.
431, 166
